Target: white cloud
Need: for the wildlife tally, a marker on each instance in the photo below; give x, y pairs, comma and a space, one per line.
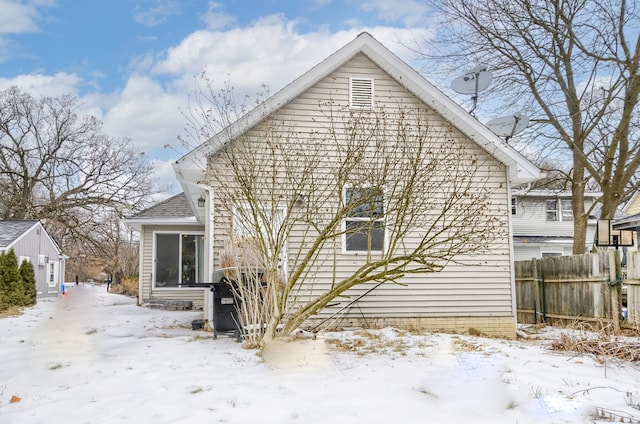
146, 113
17, 17
47, 85
409, 12
216, 19
158, 14
271, 51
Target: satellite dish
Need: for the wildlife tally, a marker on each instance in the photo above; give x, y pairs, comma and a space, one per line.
508, 126
473, 82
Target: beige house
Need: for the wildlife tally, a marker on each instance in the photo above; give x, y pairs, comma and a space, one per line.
476, 292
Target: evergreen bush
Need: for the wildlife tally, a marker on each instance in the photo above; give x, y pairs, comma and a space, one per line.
28, 278
17, 284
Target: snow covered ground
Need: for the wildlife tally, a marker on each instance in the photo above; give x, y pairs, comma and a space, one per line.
95, 357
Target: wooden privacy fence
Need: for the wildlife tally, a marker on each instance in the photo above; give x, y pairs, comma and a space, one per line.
562, 289
632, 286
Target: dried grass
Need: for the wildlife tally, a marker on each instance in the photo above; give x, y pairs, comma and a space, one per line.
600, 346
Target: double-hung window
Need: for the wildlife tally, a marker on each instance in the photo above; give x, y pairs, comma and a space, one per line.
364, 225
559, 210
179, 259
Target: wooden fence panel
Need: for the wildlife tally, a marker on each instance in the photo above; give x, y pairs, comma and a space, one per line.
632, 286
569, 288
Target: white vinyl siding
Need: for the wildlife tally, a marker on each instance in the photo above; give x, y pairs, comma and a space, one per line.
481, 288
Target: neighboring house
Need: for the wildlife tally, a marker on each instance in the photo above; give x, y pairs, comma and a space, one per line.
543, 223
632, 207
478, 296
30, 241
171, 252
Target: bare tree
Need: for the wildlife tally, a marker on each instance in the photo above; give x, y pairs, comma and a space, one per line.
60, 167
570, 64
411, 195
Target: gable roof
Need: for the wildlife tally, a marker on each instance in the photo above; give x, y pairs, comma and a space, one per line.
11, 231
174, 210
190, 168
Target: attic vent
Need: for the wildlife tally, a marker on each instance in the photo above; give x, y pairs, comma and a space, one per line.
361, 93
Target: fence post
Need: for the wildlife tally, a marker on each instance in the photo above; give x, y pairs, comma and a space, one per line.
538, 313
615, 280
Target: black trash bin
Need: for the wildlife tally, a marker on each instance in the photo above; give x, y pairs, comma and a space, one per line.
225, 310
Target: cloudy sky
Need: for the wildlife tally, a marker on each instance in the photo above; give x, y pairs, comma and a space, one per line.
133, 63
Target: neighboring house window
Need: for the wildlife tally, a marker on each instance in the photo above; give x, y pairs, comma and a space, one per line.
559, 210
361, 93
179, 259
52, 274
552, 210
567, 210
514, 205
364, 228
550, 254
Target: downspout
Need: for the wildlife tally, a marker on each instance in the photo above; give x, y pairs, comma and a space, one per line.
512, 268
141, 270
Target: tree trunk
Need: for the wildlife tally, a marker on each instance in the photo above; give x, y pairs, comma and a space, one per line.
579, 217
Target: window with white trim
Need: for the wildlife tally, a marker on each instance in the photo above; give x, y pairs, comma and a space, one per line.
514, 205
179, 259
559, 210
364, 229
566, 209
360, 93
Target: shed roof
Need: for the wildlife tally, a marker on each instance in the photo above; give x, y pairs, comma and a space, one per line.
11, 230
174, 210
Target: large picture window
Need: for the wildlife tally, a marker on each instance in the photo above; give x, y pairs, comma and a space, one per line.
364, 228
179, 259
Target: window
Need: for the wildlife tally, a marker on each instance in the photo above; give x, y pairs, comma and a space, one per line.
364, 228
567, 210
559, 210
361, 93
514, 205
179, 259
52, 271
552, 210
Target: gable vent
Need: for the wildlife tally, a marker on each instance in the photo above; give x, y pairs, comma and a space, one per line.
361, 93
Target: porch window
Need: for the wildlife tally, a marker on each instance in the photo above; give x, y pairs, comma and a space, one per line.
364, 227
179, 259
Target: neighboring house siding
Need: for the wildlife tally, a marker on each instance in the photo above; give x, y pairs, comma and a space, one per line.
535, 233
481, 289
149, 293
35, 244
633, 207
531, 219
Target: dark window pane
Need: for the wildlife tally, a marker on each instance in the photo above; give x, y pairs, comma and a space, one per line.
361, 233
366, 202
167, 260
